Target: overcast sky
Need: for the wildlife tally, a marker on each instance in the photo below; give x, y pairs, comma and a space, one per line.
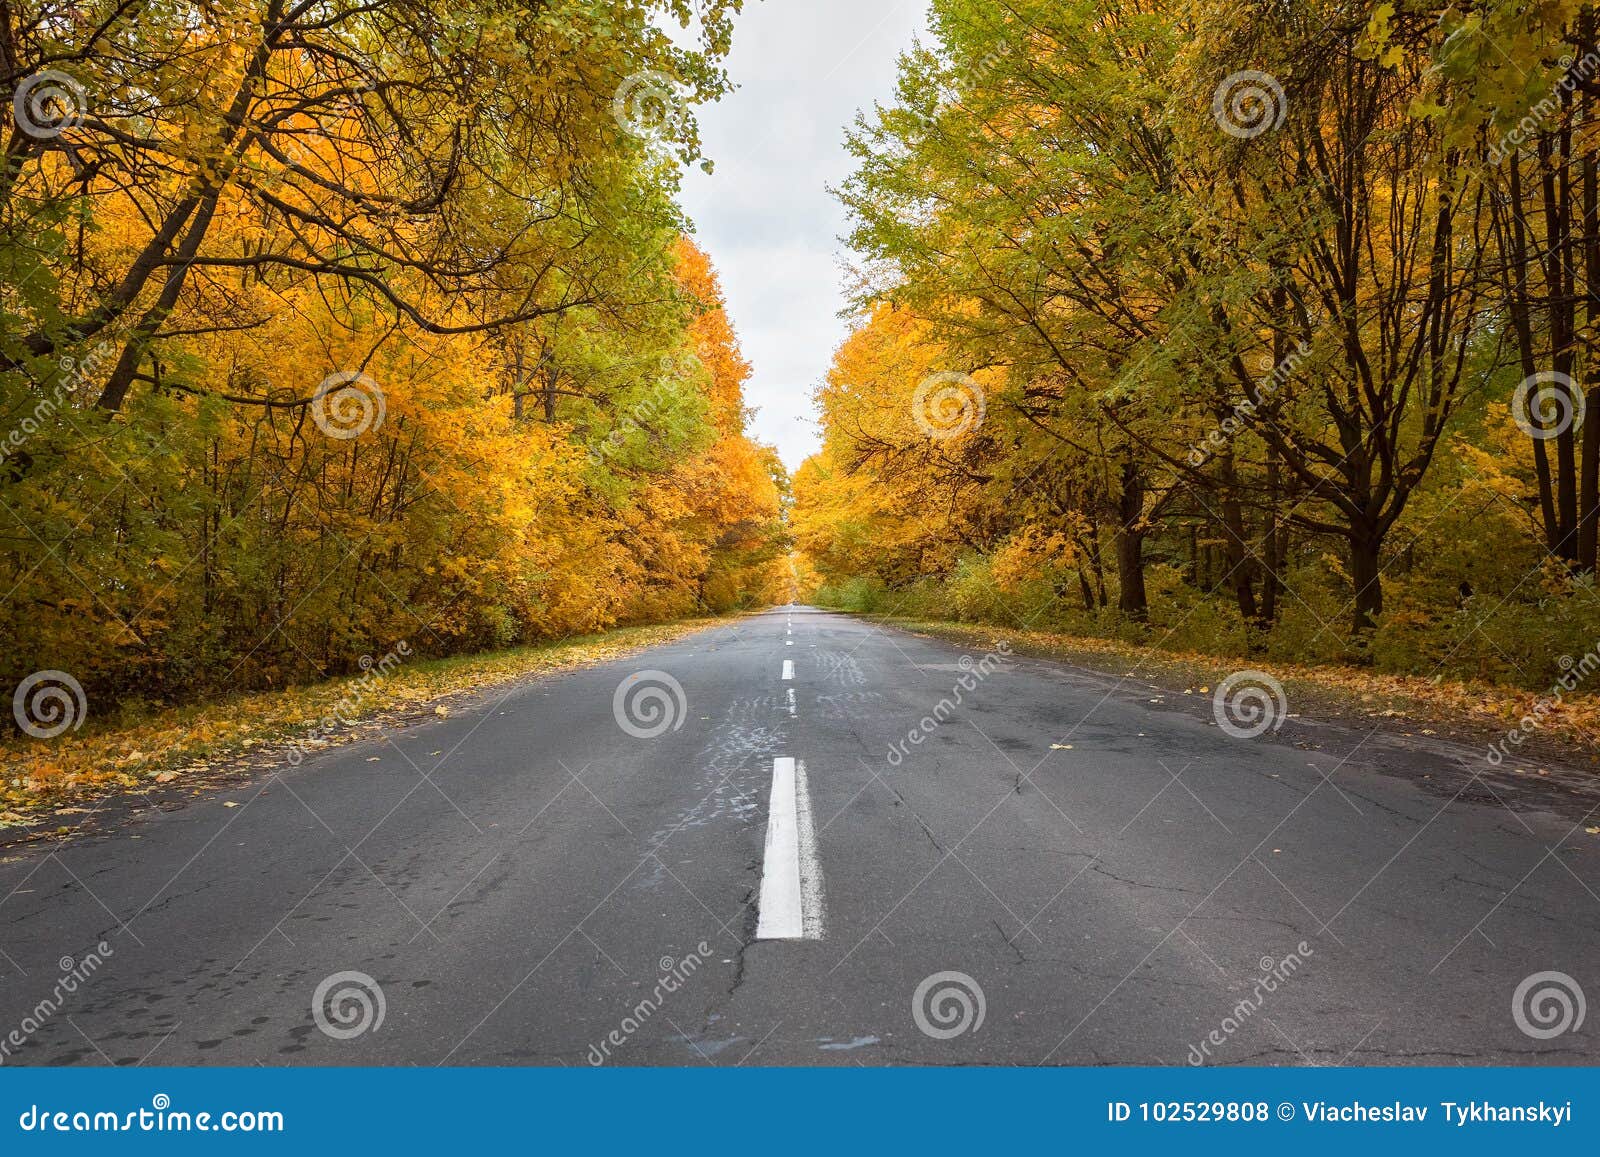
803, 68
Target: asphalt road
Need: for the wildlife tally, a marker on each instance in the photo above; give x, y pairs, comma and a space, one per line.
1064, 868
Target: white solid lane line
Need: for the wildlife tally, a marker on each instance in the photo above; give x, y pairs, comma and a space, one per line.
788, 668
787, 888
782, 915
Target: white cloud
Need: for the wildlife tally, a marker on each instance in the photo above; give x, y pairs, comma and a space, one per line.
803, 67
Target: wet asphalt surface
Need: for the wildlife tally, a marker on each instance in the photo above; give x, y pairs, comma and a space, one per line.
1110, 873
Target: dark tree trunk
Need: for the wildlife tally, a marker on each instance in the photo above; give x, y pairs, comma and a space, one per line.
1130, 575
1368, 581
1235, 548
1086, 591
1274, 549
1555, 187
1589, 475
1096, 566
1130, 545
1521, 311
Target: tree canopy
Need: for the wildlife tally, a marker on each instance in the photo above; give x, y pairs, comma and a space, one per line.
328, 324
1271, 322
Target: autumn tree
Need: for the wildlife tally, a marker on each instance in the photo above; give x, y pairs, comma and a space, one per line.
1124, 207
325, 325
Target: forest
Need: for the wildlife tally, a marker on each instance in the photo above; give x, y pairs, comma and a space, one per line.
1241, 328
330, 328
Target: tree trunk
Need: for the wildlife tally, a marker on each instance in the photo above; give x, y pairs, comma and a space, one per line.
1555, 188
1589, 475
1368, 581
1235, 548
1521, 311
1274, 549
1130, 575
1130, 544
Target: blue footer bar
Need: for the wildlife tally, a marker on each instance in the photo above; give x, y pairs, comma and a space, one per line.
799, 1110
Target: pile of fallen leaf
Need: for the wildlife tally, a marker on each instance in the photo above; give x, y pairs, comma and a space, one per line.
55, 775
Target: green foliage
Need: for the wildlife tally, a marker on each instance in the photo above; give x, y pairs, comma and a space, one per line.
330, 327
1246, 296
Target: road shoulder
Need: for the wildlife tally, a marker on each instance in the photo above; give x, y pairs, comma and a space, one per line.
1437, 734
53, 788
